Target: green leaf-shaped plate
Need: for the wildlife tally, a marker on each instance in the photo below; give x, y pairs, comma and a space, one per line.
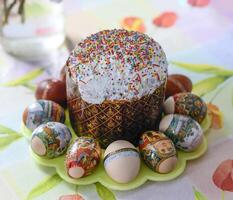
99, 174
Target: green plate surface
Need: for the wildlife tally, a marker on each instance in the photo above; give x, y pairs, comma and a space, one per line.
99, 174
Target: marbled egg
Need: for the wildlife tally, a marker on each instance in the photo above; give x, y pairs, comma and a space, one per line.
122, 161
186, 104
42, 111
158, 151
184, 131
82, 157
51, 139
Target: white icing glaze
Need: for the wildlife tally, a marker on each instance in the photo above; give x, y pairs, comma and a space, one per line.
117, 65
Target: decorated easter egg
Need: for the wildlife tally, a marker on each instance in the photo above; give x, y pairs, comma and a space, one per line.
42, 111
177, 83
51, 139
184, 131
82, 157
122, 161
186, 104
158, 151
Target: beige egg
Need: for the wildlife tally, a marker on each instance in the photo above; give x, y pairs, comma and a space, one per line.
122, 161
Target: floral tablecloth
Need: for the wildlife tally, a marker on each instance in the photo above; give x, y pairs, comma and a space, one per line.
197, 36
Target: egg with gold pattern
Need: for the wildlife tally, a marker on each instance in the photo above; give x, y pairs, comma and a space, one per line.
158, 151
186, 104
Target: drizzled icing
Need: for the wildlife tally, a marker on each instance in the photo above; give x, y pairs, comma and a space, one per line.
117, 65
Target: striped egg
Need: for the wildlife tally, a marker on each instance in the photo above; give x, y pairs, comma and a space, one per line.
186, 104
185, 132
158, 151
122, 161
42, 111
51, 139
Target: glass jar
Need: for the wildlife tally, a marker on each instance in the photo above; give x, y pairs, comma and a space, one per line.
39, 35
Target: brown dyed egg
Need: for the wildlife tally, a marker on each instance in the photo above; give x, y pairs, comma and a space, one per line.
186, 104
158, 151
52, 89
177, 83
82, 157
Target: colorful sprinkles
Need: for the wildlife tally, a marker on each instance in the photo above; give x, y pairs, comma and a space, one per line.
117, 65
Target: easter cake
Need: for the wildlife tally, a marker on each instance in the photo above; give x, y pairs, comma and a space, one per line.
115, 85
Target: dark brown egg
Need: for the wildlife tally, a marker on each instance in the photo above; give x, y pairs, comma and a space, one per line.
52, 89
177, 83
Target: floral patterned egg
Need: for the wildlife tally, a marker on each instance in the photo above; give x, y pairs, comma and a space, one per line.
50, 140
158, 151
185, 132
186, 104
82, 157
42, 111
